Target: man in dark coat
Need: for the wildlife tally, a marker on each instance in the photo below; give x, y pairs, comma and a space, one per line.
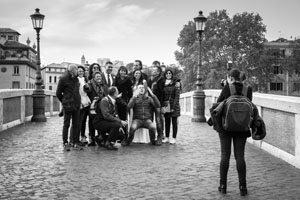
107, 120
156, 83
68, 94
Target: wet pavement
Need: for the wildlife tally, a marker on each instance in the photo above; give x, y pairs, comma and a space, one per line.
34, 166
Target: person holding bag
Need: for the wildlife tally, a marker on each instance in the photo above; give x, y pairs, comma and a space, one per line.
171, 106
238, 138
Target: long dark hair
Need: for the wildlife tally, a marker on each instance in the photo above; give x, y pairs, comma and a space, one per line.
121, 68
140, 80
91, 70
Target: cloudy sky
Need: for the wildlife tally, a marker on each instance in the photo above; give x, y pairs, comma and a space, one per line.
130, 29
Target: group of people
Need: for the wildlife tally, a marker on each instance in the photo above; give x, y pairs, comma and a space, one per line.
130, 106
125, 107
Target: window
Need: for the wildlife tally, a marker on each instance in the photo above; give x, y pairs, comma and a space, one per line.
276, 86
50, 87
277, 70
10, 37
296, 87
16, 70
54, 79
50, 79
282, 53
15, 84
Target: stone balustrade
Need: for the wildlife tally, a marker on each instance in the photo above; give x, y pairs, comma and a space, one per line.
16, 106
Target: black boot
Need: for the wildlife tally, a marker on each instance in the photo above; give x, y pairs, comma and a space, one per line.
243, 190
222, 188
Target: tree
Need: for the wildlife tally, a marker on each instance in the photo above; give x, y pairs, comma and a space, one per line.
237, 39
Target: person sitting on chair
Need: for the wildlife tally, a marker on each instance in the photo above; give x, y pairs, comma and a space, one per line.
144, 105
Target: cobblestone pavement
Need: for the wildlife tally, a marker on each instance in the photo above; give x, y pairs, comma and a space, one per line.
34, 166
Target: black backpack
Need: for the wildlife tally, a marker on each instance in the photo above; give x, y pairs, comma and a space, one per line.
238, 111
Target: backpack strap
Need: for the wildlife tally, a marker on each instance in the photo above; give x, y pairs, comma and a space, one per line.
232, 89
245, 90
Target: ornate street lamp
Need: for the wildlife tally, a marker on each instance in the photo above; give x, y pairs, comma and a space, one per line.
38, 94
199, 95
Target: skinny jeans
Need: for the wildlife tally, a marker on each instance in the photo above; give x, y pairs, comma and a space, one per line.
239, 155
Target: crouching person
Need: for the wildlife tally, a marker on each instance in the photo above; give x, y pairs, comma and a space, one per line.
144, 103
107, 120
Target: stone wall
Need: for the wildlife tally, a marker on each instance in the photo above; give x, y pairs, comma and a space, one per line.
16, 106
281, 115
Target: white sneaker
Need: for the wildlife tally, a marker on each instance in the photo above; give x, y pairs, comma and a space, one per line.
166, 140
172, 141
83, 140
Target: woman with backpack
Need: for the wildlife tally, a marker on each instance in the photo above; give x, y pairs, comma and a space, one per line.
238, 138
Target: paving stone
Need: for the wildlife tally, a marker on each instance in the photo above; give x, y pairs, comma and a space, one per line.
34, 166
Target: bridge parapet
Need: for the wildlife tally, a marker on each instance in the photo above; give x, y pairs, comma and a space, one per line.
281, 115
16, 106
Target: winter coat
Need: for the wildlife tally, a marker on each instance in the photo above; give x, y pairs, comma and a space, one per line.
124, 87
172, 94
157, 87
68, 92
97, 90
143, 106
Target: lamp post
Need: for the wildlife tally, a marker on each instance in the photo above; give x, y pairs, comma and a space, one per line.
38, 94
199, 95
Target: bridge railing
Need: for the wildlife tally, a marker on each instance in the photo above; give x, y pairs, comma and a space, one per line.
281, 115
16, 106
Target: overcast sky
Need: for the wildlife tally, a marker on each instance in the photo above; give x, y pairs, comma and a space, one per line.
130, 29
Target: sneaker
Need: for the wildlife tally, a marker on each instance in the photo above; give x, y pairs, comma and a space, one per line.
125, 142
158, 141
67, 147
111, 147
78, 145
99, 141
92, 144
172, 141
83, 140
153, 142
166, 140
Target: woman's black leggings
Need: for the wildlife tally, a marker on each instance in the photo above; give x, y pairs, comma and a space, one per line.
239, 155
168, 126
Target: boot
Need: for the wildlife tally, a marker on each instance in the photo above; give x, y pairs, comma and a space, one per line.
222, 188
243, 190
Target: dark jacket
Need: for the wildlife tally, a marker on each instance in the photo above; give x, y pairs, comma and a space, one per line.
172, 94
143, 106
157, 87
124, 87
106, 111
104, 77
225, 93
68, 92
97, 90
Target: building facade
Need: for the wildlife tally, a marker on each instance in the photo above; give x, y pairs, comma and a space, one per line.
283, 82
17, 61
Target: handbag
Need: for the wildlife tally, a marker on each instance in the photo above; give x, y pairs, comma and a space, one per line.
167, 107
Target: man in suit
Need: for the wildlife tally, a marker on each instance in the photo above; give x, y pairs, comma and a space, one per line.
138, 65
107, 120
107, 77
